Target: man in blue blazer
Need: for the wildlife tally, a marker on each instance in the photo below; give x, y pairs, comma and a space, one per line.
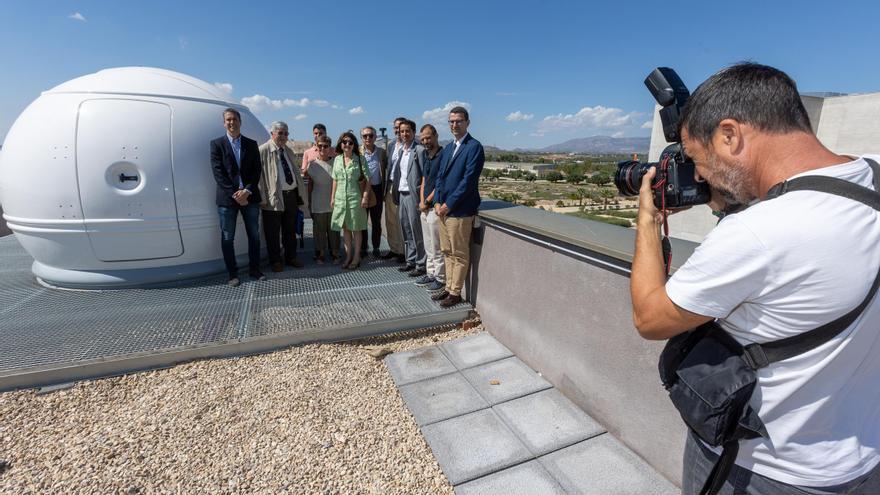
456, 201
235, 161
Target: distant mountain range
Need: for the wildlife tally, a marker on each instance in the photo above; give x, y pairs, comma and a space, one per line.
600, 144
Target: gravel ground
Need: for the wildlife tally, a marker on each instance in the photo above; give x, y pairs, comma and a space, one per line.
323, 418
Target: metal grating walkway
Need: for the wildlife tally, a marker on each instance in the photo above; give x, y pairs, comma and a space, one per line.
50, 336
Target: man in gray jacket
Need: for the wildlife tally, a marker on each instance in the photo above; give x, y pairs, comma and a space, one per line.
283, 191
407, 178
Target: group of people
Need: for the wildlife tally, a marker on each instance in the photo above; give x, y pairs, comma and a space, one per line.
429, 196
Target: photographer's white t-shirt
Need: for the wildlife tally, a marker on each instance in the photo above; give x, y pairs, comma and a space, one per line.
780, 268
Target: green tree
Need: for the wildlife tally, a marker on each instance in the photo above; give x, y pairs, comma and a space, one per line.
530, 177
529, 202
581, 195
553, 176
600, 179
574, 179
516, 174
606, 194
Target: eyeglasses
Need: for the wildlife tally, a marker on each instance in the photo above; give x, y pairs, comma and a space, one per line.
323, 146
347, 142
282, 133
368, 136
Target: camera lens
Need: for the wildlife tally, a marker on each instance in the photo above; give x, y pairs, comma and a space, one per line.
628, 177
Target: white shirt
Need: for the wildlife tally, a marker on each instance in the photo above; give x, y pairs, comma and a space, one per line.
282, 181
457, 144
780, 268
406, 153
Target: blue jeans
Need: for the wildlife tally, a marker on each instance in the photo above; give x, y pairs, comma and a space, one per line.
251, 216
698, 462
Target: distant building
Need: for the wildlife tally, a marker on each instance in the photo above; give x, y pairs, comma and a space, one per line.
846, 124
537, 168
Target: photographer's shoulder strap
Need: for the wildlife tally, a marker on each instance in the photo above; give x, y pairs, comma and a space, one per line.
760, 355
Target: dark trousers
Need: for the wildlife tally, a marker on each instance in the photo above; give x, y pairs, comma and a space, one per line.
375, 221
283, 223
699, 460
228, 216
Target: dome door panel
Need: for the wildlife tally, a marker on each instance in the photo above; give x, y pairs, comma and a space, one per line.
126, 180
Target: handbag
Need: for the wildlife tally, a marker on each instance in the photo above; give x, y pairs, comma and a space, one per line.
710, 376
371, 196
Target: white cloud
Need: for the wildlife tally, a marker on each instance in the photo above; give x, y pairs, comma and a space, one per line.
356, 110
597, 117
225, 88
518, 116
439, 115
334, 107
515, 133
76, 16
258, 103
648, 125
300, 116
618, 134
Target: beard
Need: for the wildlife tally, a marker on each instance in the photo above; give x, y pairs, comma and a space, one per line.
731, 181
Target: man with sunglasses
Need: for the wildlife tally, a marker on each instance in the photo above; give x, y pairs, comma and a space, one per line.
282, 190
393, 232
377, 162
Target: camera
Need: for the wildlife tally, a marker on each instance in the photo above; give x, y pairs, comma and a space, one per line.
674, 184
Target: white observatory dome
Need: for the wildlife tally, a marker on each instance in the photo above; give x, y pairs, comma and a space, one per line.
106, 179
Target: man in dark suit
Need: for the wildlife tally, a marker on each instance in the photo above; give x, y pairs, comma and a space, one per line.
377, 162
235, 161
456, 201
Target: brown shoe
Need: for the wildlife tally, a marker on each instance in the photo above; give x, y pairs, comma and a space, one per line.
277, 267
450, 301
440, 296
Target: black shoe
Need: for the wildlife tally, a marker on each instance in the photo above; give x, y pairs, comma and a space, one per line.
257, 275
388, 255
376, 253
407, 268
401, 258
418, 272
294, 263
450, 301
440, 296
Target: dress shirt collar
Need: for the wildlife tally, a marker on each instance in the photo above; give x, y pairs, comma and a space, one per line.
233, 140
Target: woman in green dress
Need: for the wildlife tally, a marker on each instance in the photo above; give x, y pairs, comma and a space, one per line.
350, 197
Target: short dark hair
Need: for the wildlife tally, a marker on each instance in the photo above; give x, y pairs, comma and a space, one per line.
462, 111
428, 126
761, 96
400, 119
410, 124
320, 127
354, 139
233, 112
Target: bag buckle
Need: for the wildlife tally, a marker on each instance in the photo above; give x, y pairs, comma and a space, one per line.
755, 357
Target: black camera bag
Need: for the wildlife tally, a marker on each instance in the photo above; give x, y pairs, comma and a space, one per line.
710, 376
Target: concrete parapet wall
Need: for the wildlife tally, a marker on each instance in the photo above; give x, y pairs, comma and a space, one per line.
570, 318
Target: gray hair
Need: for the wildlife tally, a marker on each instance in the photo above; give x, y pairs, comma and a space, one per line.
278, 125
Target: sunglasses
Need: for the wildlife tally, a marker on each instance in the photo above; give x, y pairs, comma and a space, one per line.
368, 136
348, 142
282, 133
323, 146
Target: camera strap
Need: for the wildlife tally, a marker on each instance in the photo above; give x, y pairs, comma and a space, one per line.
665, 243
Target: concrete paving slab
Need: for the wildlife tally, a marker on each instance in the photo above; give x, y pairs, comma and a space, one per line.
529, 478
474, 445
442, 397
511, 378
418, 364
546, 421
474, 350
602, 466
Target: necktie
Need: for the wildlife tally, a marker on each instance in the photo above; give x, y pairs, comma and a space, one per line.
288, 175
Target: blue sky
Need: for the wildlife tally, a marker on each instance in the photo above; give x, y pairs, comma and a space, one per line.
532, 73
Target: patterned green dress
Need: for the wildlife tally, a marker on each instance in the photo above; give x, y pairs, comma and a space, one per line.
347, 209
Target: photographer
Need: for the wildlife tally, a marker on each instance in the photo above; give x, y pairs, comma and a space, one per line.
779, 268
